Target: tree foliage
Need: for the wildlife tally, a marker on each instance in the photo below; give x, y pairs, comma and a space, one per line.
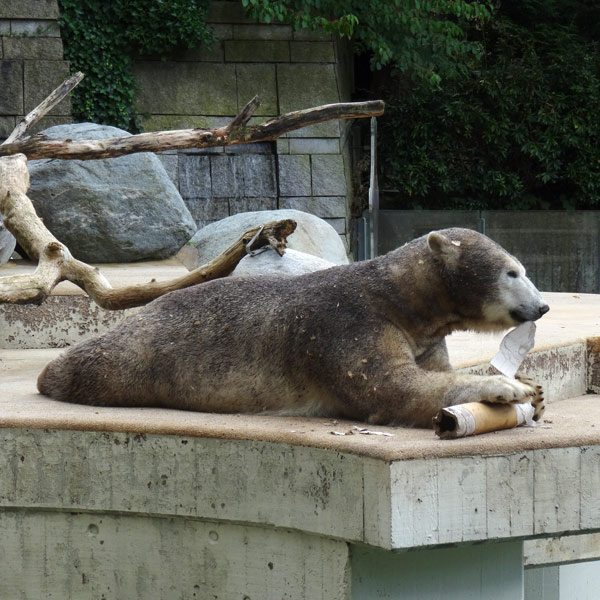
489, 104
424, 39
520, 131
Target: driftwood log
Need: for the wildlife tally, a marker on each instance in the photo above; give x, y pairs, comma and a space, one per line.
55, 263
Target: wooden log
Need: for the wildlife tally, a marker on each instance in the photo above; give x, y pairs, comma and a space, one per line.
17, 210
44, 107
236, 132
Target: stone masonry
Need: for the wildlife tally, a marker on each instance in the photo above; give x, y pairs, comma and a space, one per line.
31, 62
308, 169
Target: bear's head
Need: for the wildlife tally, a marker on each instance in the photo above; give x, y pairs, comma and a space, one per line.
487, 285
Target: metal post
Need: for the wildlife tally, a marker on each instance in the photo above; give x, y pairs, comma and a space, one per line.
374, 193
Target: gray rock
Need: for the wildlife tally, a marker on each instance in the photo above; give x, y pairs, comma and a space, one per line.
270, 263
112, 210
313, 236
7, 243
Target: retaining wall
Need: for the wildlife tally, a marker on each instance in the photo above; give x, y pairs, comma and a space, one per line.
308, 169
31, 62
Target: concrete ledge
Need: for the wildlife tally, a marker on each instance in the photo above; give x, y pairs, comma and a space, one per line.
124, 502
573, 422
510, 496
563, 549
60, 321
69, 316
406, 491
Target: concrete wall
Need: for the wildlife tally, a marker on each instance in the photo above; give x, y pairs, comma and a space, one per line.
486, 571
579, 581
31, 62
559, 249
46, 554
309, 169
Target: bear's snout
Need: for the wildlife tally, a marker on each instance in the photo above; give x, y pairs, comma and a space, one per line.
529, 313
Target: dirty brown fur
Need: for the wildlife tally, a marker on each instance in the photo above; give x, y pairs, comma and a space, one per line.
363, 341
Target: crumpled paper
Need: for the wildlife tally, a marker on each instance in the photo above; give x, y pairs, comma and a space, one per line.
514, 348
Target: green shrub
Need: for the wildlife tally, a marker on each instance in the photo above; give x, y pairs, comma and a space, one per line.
520, 131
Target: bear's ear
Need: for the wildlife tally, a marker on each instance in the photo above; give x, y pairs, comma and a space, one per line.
448, 251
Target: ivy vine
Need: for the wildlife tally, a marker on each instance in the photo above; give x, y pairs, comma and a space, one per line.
102, 38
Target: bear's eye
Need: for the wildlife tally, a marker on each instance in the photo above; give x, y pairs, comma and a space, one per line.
513, 274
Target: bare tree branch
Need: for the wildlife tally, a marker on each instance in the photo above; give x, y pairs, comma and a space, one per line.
16, 208
244, 115
44, 107
237, 132
56, 263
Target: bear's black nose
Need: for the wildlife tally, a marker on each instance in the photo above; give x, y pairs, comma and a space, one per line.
544, 309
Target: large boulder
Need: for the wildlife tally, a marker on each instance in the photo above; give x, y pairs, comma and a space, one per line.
112, 210
7, 243
312, 236
270, 263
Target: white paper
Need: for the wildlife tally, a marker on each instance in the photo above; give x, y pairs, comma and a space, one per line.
525, 414
514, 348
366, 431
465, 421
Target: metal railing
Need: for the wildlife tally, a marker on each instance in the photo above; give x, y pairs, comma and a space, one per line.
559, 249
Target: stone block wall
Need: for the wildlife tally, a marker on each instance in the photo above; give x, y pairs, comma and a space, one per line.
31, 62
216, 183
308, 169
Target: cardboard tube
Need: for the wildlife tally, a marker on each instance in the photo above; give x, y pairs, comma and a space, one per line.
479, 417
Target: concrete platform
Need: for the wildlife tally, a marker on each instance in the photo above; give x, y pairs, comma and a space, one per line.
571, 422
68, 315
150, 503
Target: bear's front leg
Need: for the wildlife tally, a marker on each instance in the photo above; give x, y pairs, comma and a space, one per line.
497, 389
413, 396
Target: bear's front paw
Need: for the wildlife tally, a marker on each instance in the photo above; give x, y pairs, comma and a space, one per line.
539, 405
506, 391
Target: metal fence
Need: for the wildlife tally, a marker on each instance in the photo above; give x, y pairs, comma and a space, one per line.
559, 249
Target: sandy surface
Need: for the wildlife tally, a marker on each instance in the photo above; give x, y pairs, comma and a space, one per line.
574, 422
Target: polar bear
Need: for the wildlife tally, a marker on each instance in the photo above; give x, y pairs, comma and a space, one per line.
364, 341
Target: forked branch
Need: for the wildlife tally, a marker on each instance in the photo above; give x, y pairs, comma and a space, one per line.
236, 132
44, 107
55, 260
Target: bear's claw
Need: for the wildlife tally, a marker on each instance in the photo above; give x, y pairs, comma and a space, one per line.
538, 402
